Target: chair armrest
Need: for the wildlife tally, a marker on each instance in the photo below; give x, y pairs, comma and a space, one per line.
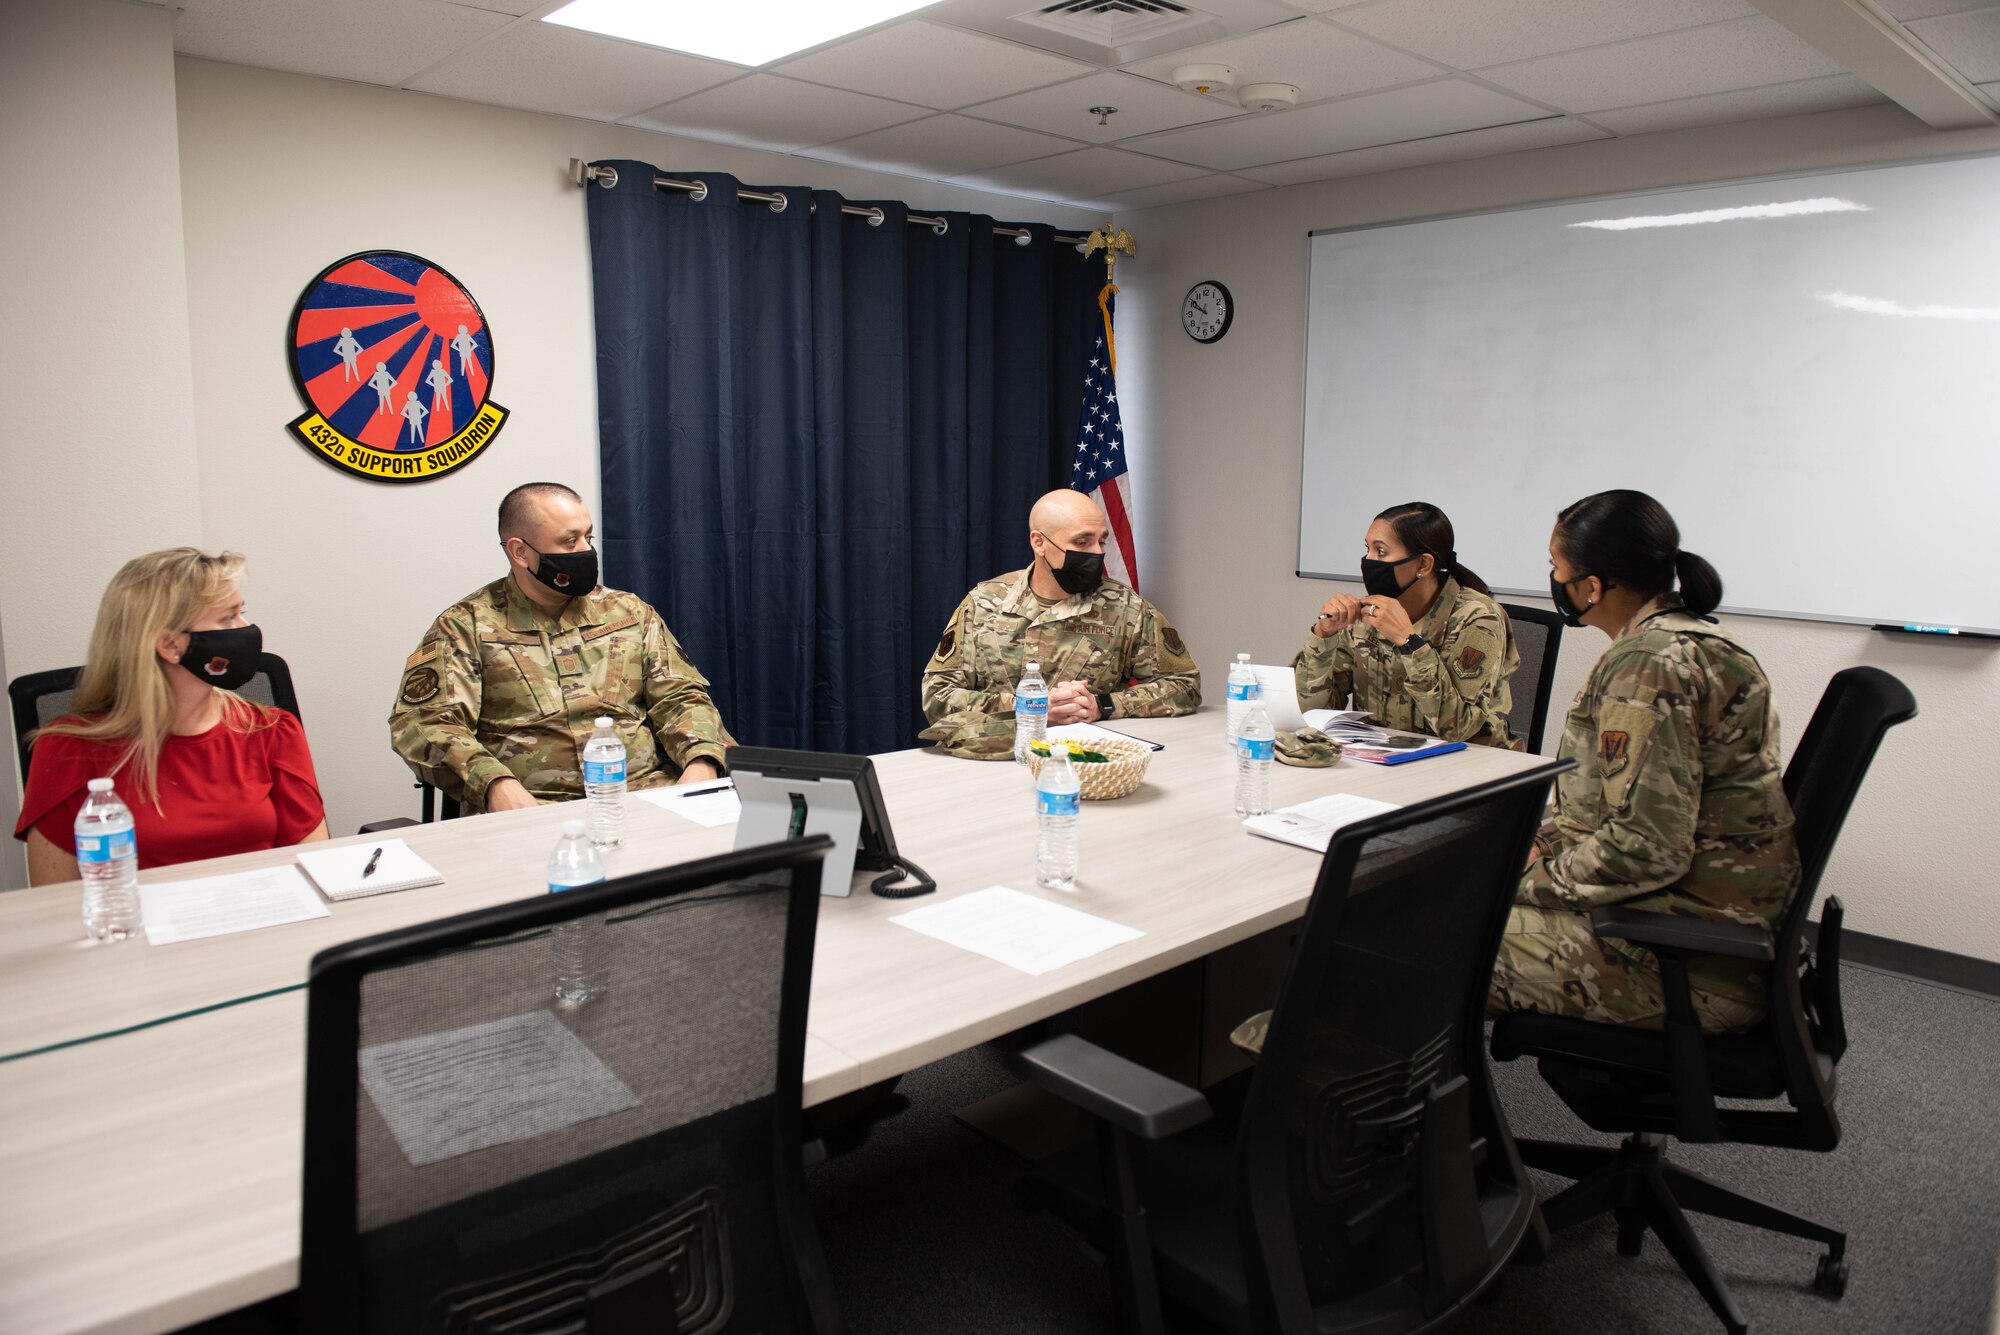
1120, 1092
1664, 933
379, 826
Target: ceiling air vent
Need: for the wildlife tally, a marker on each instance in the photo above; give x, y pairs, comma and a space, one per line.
1115, 23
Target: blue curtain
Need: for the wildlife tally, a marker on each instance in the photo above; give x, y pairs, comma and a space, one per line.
816, 433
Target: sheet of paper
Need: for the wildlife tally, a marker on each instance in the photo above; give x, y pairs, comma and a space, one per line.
1277, 691
1313, 824
218, 905
703, 803
450, 1093
1020, 931
1086, 733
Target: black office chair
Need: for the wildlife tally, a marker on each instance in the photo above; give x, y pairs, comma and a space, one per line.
480, 1158
40, 698
1360, 1177
1538, 635
1652, 1084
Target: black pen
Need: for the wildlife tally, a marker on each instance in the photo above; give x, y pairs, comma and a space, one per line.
373, 858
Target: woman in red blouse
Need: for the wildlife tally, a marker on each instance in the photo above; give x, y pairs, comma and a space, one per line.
205, 772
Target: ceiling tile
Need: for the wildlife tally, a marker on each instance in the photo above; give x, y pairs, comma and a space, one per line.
1087, 174
1181, 192
368, 41
1923, 9
1969, 43
1322, 60
1487, 143
932, 65
1417, 112
1468, 34
765, 111
1716, 58
1143, 107
942, 146
1830, 93
515, 7
543, 67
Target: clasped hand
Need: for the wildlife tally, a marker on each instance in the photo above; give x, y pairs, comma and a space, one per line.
1385, 616
1072, 702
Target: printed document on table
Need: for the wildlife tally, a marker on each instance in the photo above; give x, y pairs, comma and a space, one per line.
1313, 824
703, 803
1020, 931
461, 1090
218, 905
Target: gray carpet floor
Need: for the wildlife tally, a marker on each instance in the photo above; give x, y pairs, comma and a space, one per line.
923, 1233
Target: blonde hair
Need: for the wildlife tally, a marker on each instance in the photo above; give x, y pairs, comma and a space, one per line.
123, 694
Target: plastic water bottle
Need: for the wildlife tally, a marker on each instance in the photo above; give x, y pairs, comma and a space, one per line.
1031, 711
1058, 795
577, 945
1243, 692
1253, 762
604, 785
107, 857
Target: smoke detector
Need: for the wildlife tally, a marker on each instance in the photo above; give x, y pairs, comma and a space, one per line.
1204, 78
1267, 96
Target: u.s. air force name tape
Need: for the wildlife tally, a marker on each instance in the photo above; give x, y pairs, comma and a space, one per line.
402, 465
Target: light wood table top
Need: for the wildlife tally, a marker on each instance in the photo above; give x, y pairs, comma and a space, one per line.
151, 1178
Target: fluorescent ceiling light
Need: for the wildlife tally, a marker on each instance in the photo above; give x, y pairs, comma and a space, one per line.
1848, 301
1789, 209
732, 30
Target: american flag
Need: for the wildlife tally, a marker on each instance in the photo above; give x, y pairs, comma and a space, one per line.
1099, 467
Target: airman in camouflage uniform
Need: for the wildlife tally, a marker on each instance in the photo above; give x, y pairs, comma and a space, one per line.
503, 688
1677, 805
1454, 686
1108, 638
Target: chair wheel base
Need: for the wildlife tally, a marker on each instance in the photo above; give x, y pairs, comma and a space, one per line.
1831, 1276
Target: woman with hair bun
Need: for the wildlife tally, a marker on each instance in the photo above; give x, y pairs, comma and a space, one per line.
1427, 650
1677, 804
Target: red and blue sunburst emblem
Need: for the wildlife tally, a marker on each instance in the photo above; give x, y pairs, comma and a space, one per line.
395, 360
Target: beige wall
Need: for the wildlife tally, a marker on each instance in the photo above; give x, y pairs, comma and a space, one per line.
1217, 432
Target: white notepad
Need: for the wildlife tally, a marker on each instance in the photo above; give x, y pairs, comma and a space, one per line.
337, 871
1313, 824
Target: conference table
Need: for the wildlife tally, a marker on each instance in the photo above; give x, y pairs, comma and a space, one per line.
151, 1106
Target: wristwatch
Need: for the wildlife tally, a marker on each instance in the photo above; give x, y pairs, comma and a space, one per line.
1411, 645
1103, 705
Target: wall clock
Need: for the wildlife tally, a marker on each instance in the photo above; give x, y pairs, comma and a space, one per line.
1207, 310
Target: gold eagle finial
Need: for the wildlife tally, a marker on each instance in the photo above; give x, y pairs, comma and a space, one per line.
1110, 242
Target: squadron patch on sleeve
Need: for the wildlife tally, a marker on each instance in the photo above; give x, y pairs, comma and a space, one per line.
419, 685
1470, 661
947, 647
1172, 639
1614, 750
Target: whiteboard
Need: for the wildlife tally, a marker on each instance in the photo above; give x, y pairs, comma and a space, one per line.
1813, 390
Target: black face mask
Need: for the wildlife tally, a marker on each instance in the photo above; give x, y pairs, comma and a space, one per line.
571, 574
1379, 577
225, 658
1571, 614
1080, 572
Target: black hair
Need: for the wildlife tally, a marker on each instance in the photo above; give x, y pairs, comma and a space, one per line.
1423, 529
514, 506
1628, 538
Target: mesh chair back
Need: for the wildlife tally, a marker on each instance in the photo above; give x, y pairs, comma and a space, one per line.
1381, 1178
481, 1158
1860, 704
1538, 635
40, 698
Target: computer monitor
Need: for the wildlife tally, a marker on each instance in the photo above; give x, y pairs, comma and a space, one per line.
791, 794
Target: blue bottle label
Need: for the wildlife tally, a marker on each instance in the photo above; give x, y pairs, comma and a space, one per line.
105, 847
1255, 748
1036, 705
604, 771
1244, 690
1056, 804
556, 889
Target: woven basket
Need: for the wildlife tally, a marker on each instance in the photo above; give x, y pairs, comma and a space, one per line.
1117, 776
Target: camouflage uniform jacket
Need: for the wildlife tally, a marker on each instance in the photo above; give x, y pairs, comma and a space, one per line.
1110, 637
1677, 804
499, 688
1455, 687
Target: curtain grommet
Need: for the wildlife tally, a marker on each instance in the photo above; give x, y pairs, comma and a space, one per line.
779, 204
700, 192
940, 227
876, 217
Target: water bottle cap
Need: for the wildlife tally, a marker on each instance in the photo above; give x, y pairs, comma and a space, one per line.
1034, 667
100, 785
1242, 658
604, 722
574, 829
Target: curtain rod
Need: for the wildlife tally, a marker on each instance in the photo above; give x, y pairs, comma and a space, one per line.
583, 173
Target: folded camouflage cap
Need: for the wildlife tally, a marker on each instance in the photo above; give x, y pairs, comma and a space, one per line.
972, 734
1308, 747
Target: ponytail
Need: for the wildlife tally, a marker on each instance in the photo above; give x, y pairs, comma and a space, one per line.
1701, 587
1469, 580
